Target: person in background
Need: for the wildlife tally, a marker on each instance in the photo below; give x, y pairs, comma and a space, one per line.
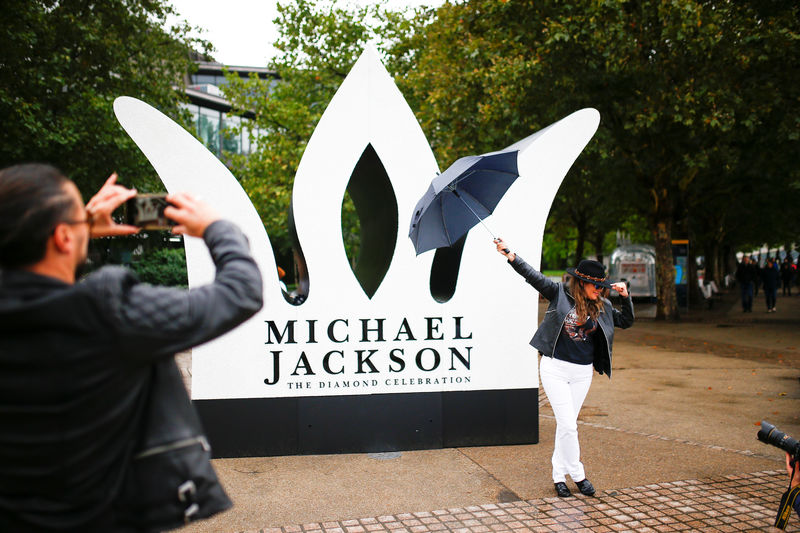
574, 339
769, 280
797, 270
281, 275
746, 277
755, 266
787, 275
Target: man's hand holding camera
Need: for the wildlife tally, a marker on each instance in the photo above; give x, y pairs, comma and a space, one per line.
192, 215
101, 205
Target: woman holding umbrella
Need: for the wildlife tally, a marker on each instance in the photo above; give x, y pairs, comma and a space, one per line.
574, 338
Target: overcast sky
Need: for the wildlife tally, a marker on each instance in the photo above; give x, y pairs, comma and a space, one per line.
242, 30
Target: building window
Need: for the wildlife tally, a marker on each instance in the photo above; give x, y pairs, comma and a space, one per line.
208, 126
218, 131
203, 79
231, 137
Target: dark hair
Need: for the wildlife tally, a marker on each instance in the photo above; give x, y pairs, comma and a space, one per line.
33, 201
583, 305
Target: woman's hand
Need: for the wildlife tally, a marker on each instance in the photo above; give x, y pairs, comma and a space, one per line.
503, 249
621, 287
101, 205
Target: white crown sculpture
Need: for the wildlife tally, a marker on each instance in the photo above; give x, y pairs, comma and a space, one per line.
340, 341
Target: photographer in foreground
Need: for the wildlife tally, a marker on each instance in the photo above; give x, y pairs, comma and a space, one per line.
87, 374
769, 434
794, 480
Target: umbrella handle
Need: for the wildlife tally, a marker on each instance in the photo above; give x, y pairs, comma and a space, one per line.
505, 250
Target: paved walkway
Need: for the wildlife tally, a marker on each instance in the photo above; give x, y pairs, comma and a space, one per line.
730, 503
669, 443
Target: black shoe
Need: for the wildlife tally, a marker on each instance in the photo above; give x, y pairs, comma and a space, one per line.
562, 490
585, 487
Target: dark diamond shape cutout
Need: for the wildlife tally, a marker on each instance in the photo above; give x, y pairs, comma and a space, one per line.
375, 205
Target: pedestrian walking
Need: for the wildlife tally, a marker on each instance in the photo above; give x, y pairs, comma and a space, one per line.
746, 278
787, 275
87, 373
769, 280
574, 339
755, 267
797, 270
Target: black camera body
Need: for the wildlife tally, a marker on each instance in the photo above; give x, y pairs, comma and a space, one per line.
769, 434
147, 212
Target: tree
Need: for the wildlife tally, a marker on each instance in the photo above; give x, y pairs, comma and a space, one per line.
62, 64
318, 45
486, 74
686, 90
580, 196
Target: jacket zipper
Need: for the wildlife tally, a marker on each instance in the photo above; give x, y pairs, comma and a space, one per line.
184, 443
555, 342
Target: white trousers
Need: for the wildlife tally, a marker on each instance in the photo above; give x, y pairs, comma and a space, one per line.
566, 385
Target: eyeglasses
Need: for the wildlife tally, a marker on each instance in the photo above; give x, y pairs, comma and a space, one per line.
74, 222
88, 220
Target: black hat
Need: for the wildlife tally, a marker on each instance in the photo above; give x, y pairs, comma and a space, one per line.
591, 272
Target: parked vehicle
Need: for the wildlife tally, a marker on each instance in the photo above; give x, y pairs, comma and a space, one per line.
636, 264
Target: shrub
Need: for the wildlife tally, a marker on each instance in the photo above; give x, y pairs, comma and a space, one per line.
163, 267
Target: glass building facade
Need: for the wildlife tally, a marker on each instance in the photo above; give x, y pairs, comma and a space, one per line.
221, 131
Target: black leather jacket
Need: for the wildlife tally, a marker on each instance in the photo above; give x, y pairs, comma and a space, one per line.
75, 361
561, 302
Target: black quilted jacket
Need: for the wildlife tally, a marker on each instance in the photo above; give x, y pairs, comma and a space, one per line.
74, 361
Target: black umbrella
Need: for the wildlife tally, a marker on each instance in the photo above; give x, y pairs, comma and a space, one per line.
460, 197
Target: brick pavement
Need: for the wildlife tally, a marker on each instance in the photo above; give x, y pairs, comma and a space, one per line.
741, 502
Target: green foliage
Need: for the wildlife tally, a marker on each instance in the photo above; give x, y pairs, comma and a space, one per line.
699, 112
163, 267
318, 45
699, 109
558, 250
62, 64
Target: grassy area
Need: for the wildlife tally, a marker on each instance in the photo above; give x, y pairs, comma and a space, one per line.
555, 273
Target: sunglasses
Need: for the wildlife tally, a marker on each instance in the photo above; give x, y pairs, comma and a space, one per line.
595, 285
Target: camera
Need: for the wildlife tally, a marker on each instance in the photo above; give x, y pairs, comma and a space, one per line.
147, 212
769, 434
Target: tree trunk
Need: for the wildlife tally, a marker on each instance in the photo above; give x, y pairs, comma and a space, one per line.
695, 295
712, 262
667, 306
727, 262
719, 265
580, 243
598, 248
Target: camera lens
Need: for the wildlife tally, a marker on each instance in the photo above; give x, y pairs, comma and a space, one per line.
765, 432
769, 434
